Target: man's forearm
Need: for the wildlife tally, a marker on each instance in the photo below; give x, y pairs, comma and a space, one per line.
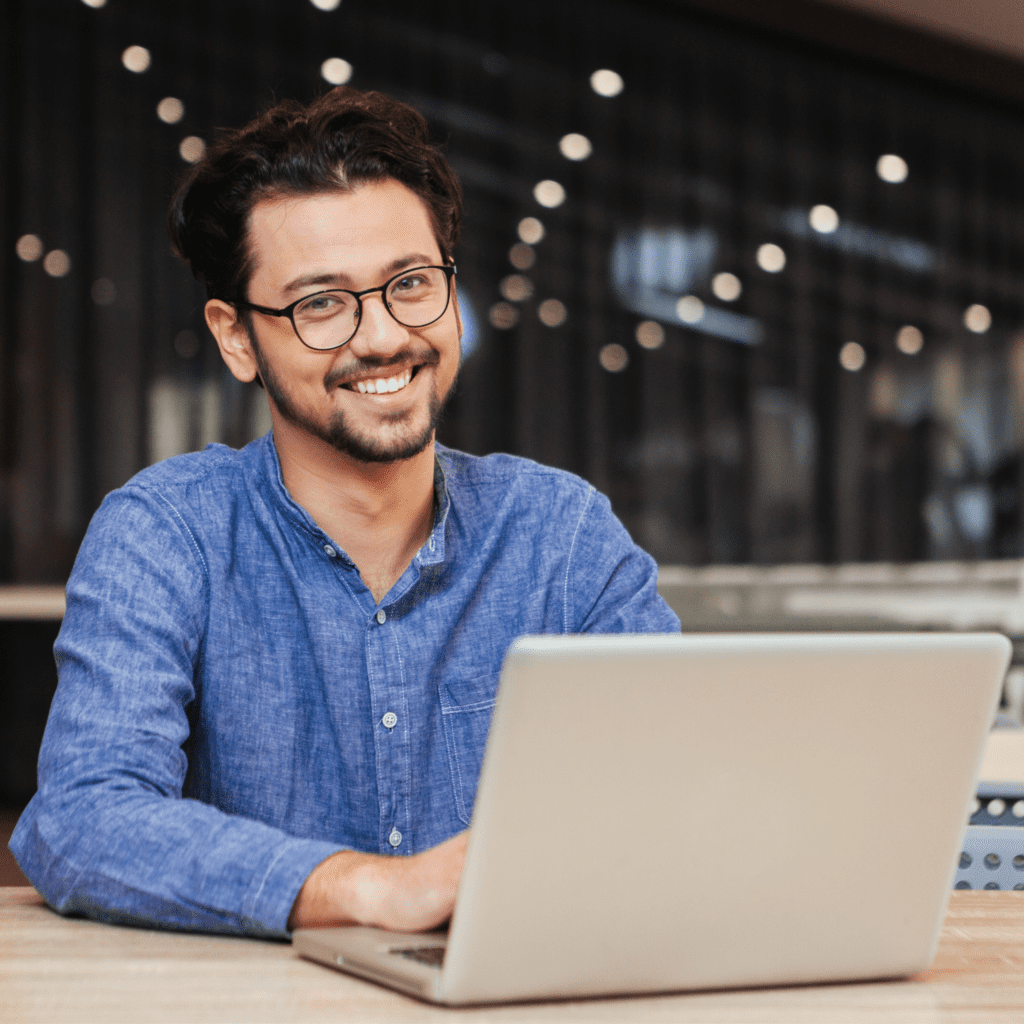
397, 893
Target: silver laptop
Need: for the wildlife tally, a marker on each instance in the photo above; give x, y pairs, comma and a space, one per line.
661, 813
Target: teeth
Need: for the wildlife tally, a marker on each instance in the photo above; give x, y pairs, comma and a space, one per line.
382, 386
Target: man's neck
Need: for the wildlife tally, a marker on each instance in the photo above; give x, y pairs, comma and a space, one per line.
380, 513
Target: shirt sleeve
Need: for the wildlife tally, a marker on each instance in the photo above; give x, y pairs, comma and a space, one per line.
611, 584
109, 833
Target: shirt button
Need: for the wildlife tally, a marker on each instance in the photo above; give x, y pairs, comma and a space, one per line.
329, 551
395, 838
390, 720
382, 616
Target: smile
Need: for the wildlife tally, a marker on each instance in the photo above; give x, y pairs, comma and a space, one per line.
381, 385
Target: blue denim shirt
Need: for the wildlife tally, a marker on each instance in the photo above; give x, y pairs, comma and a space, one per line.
234, 706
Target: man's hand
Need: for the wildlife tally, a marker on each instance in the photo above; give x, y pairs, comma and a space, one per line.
404, 894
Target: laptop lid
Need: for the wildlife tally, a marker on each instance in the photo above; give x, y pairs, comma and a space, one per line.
659, 813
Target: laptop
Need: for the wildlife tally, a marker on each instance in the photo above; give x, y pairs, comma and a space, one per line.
666, 813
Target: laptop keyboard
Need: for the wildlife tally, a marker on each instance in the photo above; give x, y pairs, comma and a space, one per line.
432, 956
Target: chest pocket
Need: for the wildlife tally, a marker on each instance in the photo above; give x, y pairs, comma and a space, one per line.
466, 709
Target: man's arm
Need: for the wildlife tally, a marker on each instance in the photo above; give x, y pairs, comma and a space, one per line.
405, 894
109, 833
611, 584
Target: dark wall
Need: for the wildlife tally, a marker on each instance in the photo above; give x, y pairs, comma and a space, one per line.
740, 438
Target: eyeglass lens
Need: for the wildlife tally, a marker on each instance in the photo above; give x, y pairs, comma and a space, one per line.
415, 298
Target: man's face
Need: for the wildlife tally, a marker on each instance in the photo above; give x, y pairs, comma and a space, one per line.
352, 240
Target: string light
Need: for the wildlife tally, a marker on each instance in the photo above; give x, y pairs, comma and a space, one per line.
892, 168
29, 248
530, 230
336, 70
516, 288
575, 146
909, 340
852, 356
614, 358
771, 258
606, 83
103, 291
690, 309
552, 313
549, 193
977, 318
503, 315
136, 58
170, 110
522, 256
726, 287
57, 263
192, 149
650, 334
823, 219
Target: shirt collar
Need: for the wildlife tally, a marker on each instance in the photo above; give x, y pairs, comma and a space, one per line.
432, 552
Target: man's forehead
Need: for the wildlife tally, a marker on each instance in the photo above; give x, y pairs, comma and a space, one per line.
371, 223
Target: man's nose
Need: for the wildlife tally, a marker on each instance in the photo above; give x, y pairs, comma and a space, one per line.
378, 333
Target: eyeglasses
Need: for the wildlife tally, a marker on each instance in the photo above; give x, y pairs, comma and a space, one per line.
324, 320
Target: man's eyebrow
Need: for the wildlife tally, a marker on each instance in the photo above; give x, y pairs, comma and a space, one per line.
332, 280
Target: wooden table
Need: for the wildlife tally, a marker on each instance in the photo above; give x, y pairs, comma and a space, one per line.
56, 969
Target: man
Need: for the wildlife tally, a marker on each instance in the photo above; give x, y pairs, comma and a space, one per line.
277, 665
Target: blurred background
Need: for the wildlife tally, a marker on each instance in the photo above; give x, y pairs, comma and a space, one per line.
754, 270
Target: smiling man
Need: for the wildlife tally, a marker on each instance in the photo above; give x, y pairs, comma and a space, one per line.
277, 665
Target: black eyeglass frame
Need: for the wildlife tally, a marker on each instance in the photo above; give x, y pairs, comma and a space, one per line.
289, 311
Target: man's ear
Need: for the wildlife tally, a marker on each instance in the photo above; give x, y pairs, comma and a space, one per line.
232, 339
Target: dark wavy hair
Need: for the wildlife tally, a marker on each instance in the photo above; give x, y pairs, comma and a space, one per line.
343, 138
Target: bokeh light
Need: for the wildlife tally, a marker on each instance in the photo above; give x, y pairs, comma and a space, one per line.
690, 309
29, 248
892, 168
549, 193
503, 315
136, 58
516, 288
530, 230
192, 149
336, 70
103, 291
824, 219
575, 146
977, 318
726, 287
909, 340
522, 256
552, 313
650, 334
771, 257
326, 5
606, 83
614, 358
170, 110
186, 344
57, 263
852, 356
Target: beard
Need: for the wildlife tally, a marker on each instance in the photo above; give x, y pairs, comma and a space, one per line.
398, 439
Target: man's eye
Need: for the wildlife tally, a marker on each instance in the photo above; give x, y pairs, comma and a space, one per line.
406, 284
318, 305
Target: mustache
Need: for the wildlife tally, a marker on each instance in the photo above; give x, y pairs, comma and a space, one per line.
356, 368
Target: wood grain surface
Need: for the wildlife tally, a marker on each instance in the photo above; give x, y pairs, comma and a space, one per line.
60, 969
